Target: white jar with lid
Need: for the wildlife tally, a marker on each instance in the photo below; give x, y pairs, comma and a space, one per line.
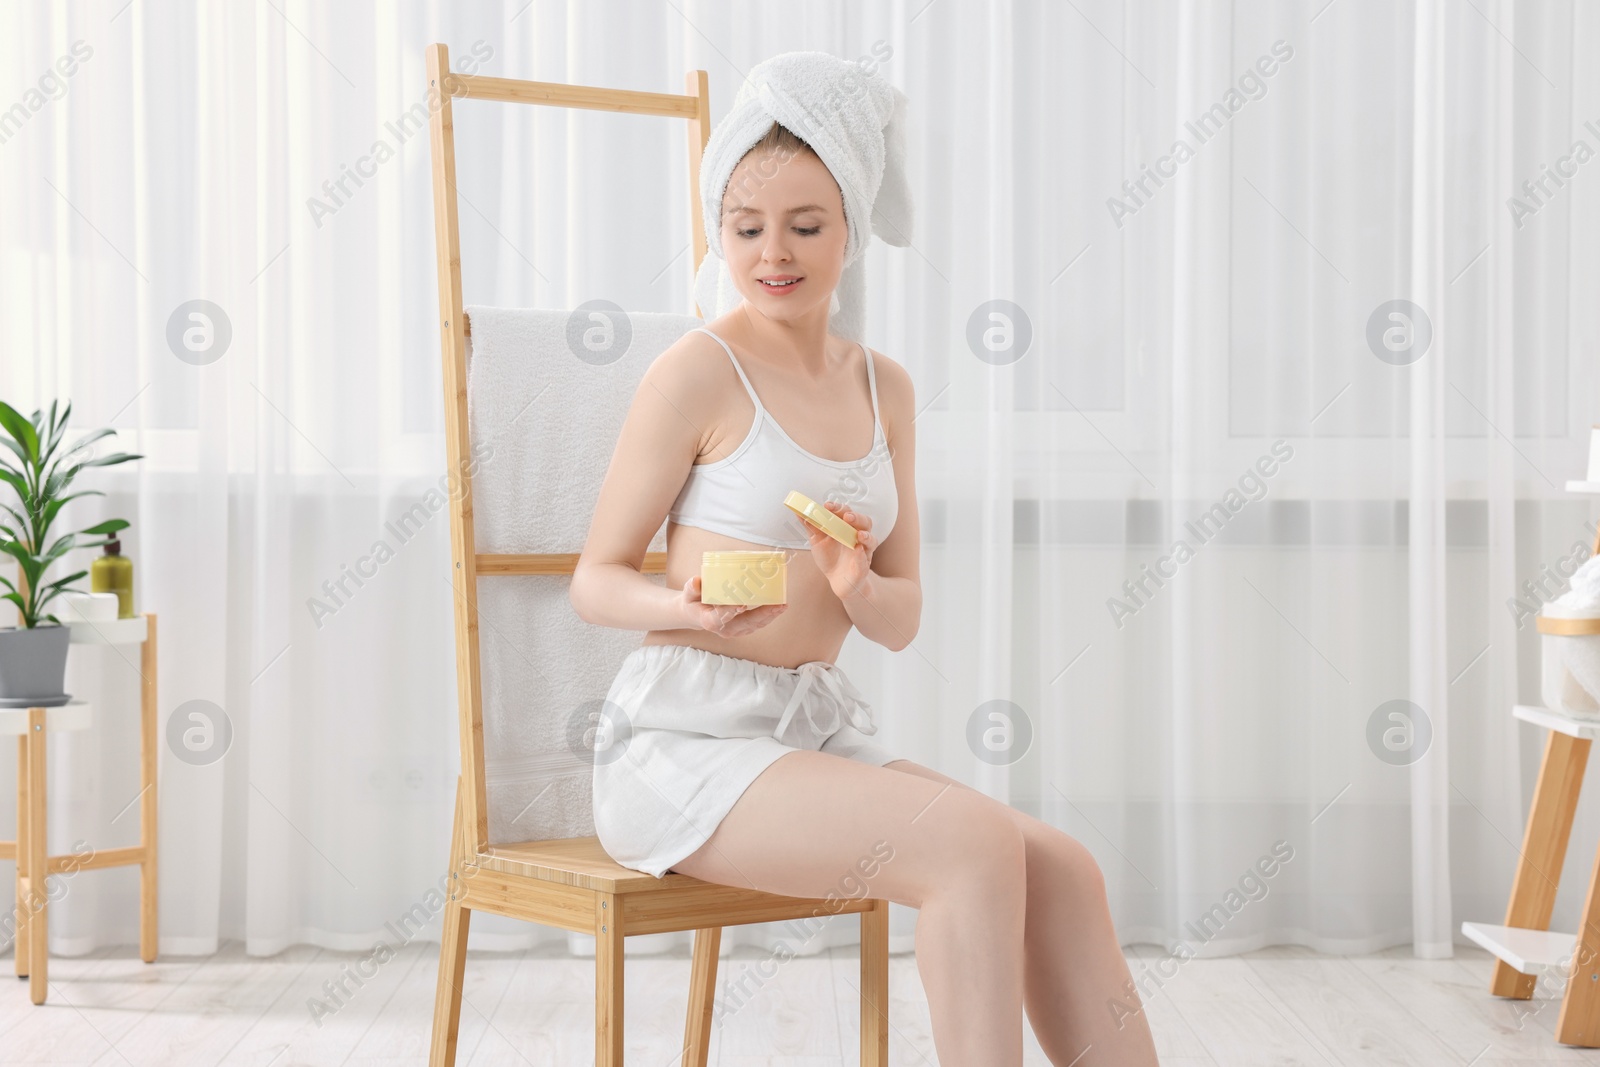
1569, 653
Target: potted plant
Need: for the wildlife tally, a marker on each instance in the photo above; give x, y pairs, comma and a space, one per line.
33, 655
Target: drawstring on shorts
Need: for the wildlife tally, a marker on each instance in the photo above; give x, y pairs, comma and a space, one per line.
845, 695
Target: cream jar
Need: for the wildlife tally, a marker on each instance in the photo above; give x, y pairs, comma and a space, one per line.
748, 577
1570, 660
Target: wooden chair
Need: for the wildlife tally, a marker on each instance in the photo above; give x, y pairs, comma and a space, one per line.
571, 883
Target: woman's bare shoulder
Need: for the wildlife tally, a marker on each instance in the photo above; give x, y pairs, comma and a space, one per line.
690, 371
883, 366
895, 389
693, 353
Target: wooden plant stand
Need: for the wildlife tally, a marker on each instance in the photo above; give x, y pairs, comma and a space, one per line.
32, 726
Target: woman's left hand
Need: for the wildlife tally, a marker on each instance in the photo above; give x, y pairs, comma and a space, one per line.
845, 568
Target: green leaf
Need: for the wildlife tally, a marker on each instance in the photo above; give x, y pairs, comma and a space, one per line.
63, 544
50, 590
91, 438
32, 567
110, 526
58, 428
17, 552
100, 461
79, 444
14, 480
56, 505
107, 461
22, 453
21, 430
53, 429
53, 484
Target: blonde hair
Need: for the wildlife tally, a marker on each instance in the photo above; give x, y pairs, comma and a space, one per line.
780, 142
779, 138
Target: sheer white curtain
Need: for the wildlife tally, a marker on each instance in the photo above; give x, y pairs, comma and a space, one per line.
1117, 345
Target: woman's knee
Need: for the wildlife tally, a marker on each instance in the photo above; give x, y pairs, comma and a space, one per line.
1059, 862
977, 843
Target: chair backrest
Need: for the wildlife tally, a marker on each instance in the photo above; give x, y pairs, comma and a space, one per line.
467, 562
547, 392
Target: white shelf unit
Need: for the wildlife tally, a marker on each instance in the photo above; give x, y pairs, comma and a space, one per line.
73, 715
1559, 721
111, 632
1532, 951
1529, 951
1525, 951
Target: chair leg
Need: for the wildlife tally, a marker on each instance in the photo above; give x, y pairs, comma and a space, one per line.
702, 997
452, 955
447, 997
608, 954
875, 985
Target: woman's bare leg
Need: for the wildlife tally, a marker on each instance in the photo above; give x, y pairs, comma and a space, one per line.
1073, 968
812, 822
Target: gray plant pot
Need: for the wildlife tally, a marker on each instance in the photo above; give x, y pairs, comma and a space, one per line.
33, 663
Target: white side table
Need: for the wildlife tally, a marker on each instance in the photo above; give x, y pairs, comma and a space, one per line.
32, 726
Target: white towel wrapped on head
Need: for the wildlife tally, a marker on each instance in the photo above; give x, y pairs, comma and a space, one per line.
856, 122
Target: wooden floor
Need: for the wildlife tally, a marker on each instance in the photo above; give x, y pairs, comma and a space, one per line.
1280, 1006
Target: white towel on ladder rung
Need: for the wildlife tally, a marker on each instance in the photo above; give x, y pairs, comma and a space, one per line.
546, 399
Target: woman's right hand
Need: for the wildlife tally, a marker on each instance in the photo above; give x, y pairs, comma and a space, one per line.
724, 620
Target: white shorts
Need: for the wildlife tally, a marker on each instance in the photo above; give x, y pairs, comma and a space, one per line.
687, 730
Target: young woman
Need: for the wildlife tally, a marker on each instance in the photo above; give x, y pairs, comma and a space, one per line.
747, 760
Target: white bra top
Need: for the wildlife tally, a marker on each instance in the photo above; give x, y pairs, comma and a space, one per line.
741, 494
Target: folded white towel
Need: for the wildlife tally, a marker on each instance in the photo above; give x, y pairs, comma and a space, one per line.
1583, 587
547, 392
856, 122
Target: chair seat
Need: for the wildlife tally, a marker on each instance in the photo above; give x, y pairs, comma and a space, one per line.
576, 867
576, 861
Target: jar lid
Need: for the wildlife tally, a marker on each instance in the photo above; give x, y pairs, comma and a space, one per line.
821, 518
1565, 621
1550, 609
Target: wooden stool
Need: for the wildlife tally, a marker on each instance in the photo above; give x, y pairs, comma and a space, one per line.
33, 726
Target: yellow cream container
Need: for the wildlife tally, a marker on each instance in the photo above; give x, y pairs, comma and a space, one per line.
821, 518
748, 577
